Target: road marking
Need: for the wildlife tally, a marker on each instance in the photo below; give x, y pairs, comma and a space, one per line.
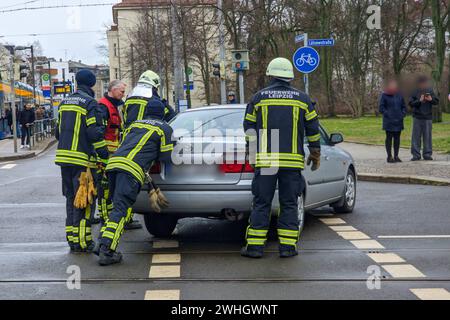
403, 271
367, 244
416, 237
166, 258
353, 235
431, 294
332, 221
386, 258
165, 244
343, 228
162, 295
8, 166
164, 272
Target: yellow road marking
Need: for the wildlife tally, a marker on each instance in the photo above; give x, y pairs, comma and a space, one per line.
403, 271
332, 221
164, 272
353, 235
431, 294
164, 244
343, 228
386, 258
166, 258
162, 295
367, 244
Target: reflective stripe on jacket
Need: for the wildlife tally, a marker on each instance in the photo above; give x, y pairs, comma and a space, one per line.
79, 130
144, 142
279, 117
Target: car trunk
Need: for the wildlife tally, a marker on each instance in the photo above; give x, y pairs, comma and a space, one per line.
198, 161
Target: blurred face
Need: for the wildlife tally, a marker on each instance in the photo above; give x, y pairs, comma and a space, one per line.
231, 97
424, 85
118, 92
28, 106
392, 86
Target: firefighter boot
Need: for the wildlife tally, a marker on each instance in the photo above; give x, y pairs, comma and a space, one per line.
254, 253
108, 257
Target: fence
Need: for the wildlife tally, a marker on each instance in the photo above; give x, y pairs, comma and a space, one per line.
41, 130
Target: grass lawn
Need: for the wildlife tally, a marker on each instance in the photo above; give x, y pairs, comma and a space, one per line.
369, 130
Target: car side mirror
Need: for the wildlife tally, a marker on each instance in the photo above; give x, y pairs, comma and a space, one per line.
336, 138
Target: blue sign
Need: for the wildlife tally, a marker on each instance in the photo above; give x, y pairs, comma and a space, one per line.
321, 42
306, 60
47, 93
299, 38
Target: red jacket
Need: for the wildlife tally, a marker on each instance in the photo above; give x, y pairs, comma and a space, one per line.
113, 127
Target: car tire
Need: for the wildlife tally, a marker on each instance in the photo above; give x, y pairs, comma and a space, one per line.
347, 204
160, 225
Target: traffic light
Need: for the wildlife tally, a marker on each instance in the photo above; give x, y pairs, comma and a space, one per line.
240, 60
219, 70
24, 70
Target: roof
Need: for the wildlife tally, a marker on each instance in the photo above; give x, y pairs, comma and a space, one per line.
227, 106
141, 3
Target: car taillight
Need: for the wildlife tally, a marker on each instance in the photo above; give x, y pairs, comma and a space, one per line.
236, 168
156, 168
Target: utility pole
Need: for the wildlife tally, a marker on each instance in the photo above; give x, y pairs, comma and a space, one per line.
51, 86
33, 74
306, 79
13, 100
223, 86
177, 57
64, 81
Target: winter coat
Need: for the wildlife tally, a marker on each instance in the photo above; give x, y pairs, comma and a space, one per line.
393, 109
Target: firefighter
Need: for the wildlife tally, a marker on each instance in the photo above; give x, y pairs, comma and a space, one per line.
110, 104
144, 96
80, 140
144, 142
276, 122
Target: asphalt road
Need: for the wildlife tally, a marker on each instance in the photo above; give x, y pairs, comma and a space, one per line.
403, 240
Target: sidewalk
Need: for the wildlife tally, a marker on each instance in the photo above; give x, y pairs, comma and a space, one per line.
371, 165
7, 149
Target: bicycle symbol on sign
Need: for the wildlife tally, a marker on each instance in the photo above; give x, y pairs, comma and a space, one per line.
306, 58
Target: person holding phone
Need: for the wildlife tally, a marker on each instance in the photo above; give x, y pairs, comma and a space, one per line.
422, 102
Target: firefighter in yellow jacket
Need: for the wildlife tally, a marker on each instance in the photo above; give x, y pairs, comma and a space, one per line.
278, 118
80, 139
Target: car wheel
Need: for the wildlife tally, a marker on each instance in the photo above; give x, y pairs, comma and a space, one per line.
301, 212
349, 198
160, 225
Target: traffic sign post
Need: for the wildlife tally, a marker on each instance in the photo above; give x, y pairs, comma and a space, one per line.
306, 60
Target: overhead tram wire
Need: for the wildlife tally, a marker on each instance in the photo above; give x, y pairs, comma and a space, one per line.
19, 4
59, 6
48, 34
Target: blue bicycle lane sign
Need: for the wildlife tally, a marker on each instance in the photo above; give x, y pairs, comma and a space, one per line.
306, 59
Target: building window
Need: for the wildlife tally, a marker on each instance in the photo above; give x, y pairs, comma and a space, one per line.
116, 73
115, 49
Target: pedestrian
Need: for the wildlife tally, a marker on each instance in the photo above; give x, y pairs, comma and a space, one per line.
422, 101
231, 98
127, 170
280, 111
144, 96
9, 120
393, 108
110, 104
39, 114
80, 139
26, 120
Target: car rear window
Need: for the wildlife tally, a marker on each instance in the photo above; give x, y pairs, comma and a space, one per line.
205, 120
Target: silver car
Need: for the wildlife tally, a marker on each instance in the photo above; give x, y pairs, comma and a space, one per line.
199, 187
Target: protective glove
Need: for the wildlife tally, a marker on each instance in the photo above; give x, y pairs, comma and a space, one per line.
314, 158
162, 200
154, 203
81, 198
91, 189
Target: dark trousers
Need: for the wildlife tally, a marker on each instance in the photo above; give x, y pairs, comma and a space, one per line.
78, 225
290, 187
104, 198
124, 189
422, 131
25, 134
393, 137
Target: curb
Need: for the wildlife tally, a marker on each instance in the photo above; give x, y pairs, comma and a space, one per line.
404, 179
29, 155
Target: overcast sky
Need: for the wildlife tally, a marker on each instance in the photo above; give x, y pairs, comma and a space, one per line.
69, 21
